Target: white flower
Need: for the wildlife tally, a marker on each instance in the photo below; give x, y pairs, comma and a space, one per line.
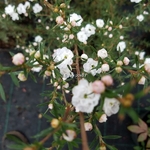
102, 53
141, 55
84, 56
27, 5
15, 16
37, 67
37, 8
38, 39
89, 65
147, 61
136, 1
121, 46
69, 135
89, 30
21, 9
82, 37
103, 118
142, 80
66, 72
111, 106
75, 19
63, 54
9, 9
145, 13
83, 99
99, 23
140, 18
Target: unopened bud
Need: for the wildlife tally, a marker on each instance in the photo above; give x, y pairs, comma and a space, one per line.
56, 9
52, 67
88, 126
63, 5
118, 69
54, 123
29, 148
47, 73
22, 77
119, 63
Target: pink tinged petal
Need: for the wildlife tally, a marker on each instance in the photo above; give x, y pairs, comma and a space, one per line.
135, 129
142, 137
148, 143
143, 125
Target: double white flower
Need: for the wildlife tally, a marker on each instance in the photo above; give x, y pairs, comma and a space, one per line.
84, 100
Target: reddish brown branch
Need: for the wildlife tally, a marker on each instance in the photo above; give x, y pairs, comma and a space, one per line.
81, 116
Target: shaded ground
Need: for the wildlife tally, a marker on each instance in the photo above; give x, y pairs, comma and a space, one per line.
20, 112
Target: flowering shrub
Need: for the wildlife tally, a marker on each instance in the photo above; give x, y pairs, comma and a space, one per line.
88, 50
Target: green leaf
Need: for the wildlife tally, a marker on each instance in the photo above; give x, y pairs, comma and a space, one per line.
14, 78
15, 147
131, 112
43, 133
137, 148
111, 147
11, 53
2, 93
111, 137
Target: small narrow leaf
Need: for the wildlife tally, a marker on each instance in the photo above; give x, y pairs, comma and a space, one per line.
14, 78
111, 147
111, 137
135, 129
2, 93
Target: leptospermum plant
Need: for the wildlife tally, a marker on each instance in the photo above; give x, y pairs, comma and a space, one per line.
86, 50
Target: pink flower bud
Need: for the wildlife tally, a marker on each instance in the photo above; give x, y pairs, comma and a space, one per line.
105, 67
59, 20
18, 59
107, 80
126, 60
103, 118
98, 87
88, 126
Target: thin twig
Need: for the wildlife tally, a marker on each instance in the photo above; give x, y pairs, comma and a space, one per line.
83, 133
81, 116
